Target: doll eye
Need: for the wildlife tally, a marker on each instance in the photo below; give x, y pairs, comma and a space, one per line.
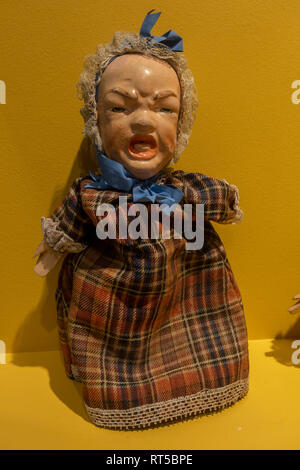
167, 110
117, 109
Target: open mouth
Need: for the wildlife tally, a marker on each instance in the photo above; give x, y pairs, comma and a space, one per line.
142, 146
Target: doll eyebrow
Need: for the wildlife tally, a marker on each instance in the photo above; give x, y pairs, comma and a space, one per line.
121, 91
157, 95
163, 94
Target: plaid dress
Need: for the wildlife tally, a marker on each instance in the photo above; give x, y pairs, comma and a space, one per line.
154, 332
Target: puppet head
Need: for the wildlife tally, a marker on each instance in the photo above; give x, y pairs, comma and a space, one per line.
149, 47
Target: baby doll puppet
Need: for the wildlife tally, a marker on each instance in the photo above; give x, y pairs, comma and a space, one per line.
153, 331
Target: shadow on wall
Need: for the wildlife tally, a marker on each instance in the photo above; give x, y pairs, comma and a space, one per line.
283, 351
45, 312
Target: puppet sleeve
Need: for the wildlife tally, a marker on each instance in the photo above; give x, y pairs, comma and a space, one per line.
67, 228
220, 198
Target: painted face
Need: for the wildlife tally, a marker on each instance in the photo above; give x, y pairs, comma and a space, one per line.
138, 108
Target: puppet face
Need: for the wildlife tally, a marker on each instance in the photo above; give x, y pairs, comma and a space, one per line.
138, 108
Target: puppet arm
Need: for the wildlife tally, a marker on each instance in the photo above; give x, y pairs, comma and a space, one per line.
220, 198
233, 214
295, 308
48, 258
65, 231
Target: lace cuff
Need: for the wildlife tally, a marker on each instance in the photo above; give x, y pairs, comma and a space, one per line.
57, 239
234, 213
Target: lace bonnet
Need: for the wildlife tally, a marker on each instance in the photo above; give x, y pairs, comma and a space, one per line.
167, 48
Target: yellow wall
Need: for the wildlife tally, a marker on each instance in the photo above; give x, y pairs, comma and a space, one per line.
245, 55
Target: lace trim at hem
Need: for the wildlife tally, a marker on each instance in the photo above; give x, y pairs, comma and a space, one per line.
57, 239
207, 400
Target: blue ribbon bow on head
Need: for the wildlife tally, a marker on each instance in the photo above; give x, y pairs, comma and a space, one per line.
114, 175
170, 38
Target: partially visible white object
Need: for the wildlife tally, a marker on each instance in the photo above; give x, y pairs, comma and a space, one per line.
2, 352
296, 354
295, 308
2, 92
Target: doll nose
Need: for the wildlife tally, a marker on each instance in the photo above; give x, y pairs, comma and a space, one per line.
142, 122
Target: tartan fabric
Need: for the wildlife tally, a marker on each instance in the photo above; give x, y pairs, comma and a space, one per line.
152, 331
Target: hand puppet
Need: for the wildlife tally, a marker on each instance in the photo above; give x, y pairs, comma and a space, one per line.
153, 331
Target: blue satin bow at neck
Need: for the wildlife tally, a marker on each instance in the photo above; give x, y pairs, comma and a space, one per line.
115, 176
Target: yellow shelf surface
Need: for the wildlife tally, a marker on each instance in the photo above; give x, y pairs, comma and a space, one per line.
40, 408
